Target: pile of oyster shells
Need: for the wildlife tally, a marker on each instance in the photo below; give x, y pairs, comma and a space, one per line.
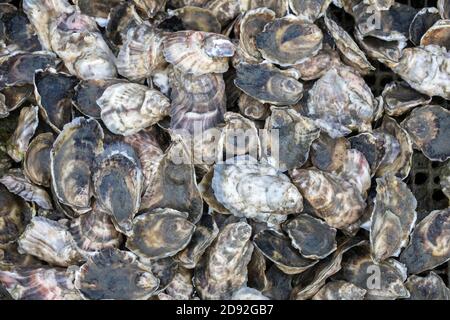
100, 196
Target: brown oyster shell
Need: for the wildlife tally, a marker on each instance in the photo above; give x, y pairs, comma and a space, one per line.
430, 287
399, 98
290, 148
309, 10
15, 214
40, 283
310, 282
335, 200
288, 41
121, 19
252, 24
438, 34
198, 53
223, 268
19, 142
141, 53
312, 237
72, 160
429, 244
351, 54
117, 180
205, 232
94, 231
160, 233
252, 108
425, 69
341, 102
340, 290
277, 248
315, 67
423, 20
198, 102
382, 281
173, 184
328, 154
280, 7
181, 287
18, 184
36, 162
51, 242
54, 92
115, 274
268, 84
428, 128
393, 217
198, 19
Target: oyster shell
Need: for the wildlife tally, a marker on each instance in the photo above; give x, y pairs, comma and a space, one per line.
97, 9
72, 160
430, 287
42, 13
150, 7
18, 184
19, 142
382, 281
181, 288
428, 128
398, 153
335, 200
75, 38
223, 268
251, 25
252, 108
87, 92
36, 163
429, 243
198, 102
280, 7
309, 282
393, 217
290, 148
51, 242
239, 137
288, 41
315, 67
17, 32
277, 248
141, 53
15, 214
257, 271
160, 233
115, 274
165, 271
341, 102
399, 98
18, 68
54, 92
205, 232
94, 231
340, 290
256, 190
246, 293
312, 237
117, 181
423, 20
425, 69
351, 54
268, 84
309, 10
128, 108
121, 19
224, 10
328, 154
444, 9
40, 283
279, 284
438, 34
198, 53
197, 19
